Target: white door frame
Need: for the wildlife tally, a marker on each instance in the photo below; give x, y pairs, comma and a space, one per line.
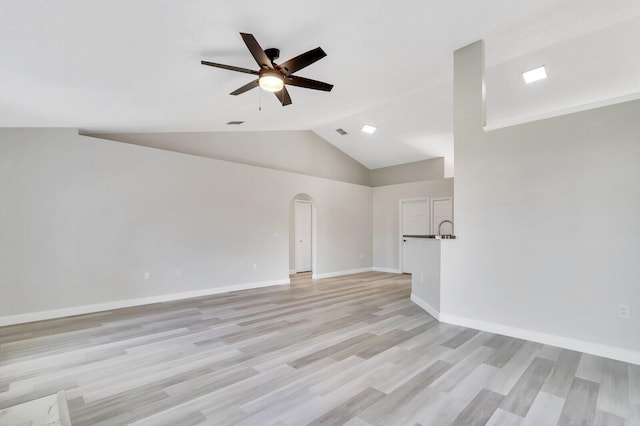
434, 226
400, 225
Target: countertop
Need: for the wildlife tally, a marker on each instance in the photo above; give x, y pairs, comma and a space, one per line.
432, 237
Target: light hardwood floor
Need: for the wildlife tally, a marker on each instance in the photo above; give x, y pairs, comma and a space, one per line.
349, 350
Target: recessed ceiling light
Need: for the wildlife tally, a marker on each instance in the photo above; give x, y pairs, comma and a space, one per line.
235, 123
534, 75
341, 131
368, 129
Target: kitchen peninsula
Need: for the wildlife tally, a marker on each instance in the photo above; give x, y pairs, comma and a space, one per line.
426, 265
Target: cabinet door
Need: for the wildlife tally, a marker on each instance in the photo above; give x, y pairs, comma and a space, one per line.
441, 209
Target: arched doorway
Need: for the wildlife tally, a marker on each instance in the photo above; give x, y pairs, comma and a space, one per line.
302, 235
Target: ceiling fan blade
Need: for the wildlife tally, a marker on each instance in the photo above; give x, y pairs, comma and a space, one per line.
256, 51
245, 88
229, 67
283, 96
301, 61
294, 80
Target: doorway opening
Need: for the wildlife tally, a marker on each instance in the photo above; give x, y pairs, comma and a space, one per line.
302, 236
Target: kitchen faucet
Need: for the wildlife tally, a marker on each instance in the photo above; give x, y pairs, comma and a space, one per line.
443, 222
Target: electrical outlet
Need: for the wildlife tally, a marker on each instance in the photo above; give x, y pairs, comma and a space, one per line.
624, 311
255, 266
420, 276
361, 256
178, 272
147, 275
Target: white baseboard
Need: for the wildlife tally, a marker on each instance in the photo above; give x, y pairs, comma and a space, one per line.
598, 349
89, 309
339, 273
389, 270
426, 306
292, 272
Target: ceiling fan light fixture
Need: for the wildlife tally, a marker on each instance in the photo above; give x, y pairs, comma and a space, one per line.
271, 81
272, 77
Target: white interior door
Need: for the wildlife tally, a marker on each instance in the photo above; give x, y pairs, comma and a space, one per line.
415, 221
303, 236
441, 209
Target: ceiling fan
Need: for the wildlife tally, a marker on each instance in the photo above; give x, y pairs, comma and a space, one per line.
273, 77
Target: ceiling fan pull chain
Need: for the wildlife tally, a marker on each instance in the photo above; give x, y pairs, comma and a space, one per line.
259, 99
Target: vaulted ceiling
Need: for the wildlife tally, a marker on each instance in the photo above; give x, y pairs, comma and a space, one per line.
134, 66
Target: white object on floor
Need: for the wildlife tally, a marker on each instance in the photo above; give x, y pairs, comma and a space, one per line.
50, 410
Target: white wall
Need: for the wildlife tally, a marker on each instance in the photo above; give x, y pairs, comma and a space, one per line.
297, 151
83, 219
408, 172
386, 216
425, 274
548, 222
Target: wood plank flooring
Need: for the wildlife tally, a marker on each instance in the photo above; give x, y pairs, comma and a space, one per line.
349, 350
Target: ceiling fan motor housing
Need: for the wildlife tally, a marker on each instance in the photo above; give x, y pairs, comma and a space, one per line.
272, 53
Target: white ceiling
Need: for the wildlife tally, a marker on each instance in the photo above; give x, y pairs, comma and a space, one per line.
134, 66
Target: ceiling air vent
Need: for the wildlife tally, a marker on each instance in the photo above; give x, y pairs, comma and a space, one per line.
235, 123
341, 131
